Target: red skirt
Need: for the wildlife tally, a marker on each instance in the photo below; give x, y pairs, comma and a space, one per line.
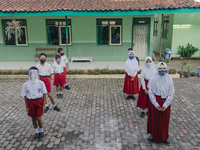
131, 87
158, 121
143, 98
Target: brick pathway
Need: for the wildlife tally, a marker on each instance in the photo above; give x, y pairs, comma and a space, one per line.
95, 115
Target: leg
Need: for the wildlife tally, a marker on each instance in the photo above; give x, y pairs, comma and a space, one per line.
57, 88
61, 89
40, 123
34, 122
36, 136
51, 98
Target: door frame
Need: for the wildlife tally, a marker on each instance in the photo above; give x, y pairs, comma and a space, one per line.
148, 40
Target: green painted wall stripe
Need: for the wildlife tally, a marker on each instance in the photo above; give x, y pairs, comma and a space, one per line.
89, 13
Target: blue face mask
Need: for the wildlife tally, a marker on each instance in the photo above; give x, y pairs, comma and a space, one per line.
131, 57
42, 61
58, 61
162, 73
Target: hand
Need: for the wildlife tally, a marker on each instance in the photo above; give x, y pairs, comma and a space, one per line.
132, 79
27, 109
43, 108
163, 108
146, 92
67, 70
159, 108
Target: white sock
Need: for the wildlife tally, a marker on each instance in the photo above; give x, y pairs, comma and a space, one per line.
54, 106
41, 130
142, 110
60, 92
65, 84
36, 130
47, 105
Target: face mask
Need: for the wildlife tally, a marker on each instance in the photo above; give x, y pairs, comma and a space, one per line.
58, 61
42, 61
62, 54
149, 64
131, 57
33, 75
162, 73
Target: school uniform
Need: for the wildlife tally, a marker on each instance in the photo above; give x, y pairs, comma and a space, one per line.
131, 68
64, 60
161, 90
147, 72
59, 78
34, 91
44, 75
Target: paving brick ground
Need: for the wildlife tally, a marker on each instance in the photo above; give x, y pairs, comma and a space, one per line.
95, 115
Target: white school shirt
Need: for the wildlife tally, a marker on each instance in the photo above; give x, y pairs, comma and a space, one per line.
155, 103
45, 70
33, 89
64, 60
58, 68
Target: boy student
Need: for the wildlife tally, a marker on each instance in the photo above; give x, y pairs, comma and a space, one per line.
45, 72
34, 93
65, 61
58, 76
130, 49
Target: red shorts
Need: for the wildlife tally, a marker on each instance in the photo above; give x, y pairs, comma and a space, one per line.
65, 73
47, 82
35, 108
59, 80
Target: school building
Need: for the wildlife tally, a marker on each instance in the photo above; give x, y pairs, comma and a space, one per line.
101, 29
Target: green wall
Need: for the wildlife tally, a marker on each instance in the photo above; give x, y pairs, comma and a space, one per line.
182, 35
83, 39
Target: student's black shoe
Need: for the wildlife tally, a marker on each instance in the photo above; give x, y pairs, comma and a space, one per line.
132, 97
61, 95
57, 108
167, 141
67, 87
47, 108
58, 95
36, 136
128, 97
142, 114
150, 139
41, 135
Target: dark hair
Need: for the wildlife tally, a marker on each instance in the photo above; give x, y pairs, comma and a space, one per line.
130, 49
42, 54
57, 56
59, 50
33, 68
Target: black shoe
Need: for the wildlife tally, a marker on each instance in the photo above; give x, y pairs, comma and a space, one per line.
47, 108
58, 95
128, 97
36, 136
67, 87
61, 95
132, 97
167, 141
57, 108
150, 139
142, 114
41, 135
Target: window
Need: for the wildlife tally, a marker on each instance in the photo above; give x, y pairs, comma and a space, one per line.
109, 31
56, 31
15, 40
155, 30
165, 27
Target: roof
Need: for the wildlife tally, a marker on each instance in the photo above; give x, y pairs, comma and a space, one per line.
93, 5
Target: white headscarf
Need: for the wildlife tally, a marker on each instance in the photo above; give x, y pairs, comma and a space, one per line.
148, 71
161, 85
131, 66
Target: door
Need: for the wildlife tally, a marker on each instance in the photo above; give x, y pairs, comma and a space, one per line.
140, 40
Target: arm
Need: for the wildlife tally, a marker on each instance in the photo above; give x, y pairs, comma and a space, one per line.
143, 83
44, 102
153, 98
26, 103
66, 67
168, 101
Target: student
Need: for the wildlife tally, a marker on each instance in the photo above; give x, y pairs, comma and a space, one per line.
147, 72
161, 91
130, 49
45, 72
58, 76
65, 61
131, 85
34, 93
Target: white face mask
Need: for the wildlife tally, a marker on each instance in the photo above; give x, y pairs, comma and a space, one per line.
149, 64
33, 75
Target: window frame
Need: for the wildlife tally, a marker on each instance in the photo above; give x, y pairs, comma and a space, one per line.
69, 30
155, 28
110, 36
165, 23
16, 39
